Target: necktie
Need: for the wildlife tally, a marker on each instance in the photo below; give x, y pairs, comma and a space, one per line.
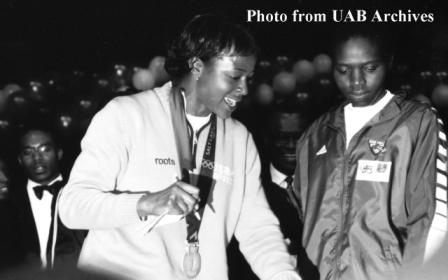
292, 198
39, 190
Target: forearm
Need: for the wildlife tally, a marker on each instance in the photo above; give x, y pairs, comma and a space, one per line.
91, 199
86, 207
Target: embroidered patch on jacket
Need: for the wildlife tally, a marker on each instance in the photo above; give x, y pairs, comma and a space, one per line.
377, 146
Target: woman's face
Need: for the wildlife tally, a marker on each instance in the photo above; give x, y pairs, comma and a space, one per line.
360, 72
222, 84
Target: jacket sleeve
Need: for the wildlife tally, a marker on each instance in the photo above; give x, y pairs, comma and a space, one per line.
425, 177
258, 231
299, 174
438, 230
300, 187
89, 200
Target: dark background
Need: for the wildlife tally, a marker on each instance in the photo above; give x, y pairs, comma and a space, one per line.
42, 36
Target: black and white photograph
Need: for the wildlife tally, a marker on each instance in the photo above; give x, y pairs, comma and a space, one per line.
223, 140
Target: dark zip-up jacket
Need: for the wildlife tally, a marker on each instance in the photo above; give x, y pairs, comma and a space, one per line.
367, 209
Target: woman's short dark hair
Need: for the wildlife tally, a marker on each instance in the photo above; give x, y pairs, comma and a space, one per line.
378, 36
206, 37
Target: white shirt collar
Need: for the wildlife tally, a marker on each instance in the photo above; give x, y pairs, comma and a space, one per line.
41, 210
278, 177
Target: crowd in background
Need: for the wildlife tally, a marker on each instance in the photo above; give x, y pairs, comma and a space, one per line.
68, 101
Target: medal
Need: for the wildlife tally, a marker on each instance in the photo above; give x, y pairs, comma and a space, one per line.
192, 260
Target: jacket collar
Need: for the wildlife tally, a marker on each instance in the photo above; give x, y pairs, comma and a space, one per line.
335, 118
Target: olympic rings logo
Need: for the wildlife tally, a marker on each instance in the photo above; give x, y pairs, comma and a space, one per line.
208, 164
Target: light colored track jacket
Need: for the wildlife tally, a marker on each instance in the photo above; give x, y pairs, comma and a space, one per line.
129, 149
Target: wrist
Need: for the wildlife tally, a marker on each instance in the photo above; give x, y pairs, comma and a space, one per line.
142, 210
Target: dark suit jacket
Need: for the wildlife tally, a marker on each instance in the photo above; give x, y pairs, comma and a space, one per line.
280, 204
290, 226
68, 242
290, 223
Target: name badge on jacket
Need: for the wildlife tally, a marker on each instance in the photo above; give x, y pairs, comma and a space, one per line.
373, 170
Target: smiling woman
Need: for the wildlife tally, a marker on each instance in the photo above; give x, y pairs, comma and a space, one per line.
213, 71
172, 160
221, 84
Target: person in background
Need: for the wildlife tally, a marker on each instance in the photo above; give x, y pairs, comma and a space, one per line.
44, 241
285, 126
371, 174
166, 177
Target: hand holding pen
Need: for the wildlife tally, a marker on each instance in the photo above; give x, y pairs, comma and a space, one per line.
179, 198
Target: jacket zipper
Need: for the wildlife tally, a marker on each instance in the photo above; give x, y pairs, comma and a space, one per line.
344, 193
342, 199
338, 242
